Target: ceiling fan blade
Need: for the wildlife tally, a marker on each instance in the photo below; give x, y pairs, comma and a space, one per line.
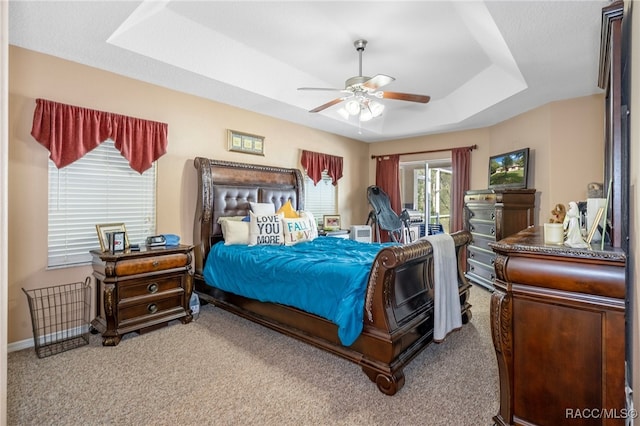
327, 105
377, 81
423, 99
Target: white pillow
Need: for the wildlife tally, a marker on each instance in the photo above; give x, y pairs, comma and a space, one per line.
222, 219
262, 208
265, 229
298, 230
235, 232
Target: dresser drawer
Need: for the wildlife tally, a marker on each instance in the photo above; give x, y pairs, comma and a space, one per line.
481, 270
483, 214
482, 256
482, 242
482, 228
153, 306
484, 197
144, 287
151, 264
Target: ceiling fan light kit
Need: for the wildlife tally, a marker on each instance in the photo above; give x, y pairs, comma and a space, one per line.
361, 91
365, 109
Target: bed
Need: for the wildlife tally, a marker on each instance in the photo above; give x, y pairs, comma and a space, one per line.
398, 306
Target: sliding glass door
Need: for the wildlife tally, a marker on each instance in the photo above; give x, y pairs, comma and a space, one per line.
426, 187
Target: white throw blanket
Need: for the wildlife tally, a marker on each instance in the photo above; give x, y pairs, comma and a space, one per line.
447, 315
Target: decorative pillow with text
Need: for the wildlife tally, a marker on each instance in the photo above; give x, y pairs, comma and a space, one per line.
297, 231
266, 229
312, 222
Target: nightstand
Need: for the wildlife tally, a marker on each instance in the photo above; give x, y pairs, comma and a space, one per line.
141, 290
338, 233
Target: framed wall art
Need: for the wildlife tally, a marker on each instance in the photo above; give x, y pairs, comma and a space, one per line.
245, 142
106, 235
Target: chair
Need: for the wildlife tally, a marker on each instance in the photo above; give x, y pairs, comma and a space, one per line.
382, 216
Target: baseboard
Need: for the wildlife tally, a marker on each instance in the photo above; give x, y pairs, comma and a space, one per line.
49, 338
18, 346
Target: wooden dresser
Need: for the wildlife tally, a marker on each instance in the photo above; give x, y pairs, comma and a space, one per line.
141, 290
558, 328
491, 215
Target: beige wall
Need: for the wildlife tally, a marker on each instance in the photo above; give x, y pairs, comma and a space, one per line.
566, 149
197, 127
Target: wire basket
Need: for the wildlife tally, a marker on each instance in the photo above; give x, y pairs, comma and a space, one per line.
60, 317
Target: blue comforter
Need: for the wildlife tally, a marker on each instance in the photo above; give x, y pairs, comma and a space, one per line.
327, 277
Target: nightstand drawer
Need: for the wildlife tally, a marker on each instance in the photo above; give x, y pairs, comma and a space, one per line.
154, 306
145, 287
151, 264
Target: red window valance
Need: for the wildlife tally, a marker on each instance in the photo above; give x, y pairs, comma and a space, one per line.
315, 163
69, 132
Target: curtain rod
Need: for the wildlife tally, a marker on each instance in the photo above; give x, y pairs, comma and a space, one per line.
470, 148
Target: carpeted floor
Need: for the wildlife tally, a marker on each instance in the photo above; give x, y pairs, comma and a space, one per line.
224, 370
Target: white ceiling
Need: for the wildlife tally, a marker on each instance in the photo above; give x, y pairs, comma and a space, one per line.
481, 62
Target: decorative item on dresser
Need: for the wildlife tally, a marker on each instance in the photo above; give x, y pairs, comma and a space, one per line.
491, 215
558, 327
141, 290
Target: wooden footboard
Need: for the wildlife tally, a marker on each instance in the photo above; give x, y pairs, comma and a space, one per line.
398, 310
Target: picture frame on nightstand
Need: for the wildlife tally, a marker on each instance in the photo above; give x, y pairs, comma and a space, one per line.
116, 241
105, 229
331, 222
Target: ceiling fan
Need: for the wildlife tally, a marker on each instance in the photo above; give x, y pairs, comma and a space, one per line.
362, 91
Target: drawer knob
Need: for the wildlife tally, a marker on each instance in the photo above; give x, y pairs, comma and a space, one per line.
493, 231
493, 215
152, 308
472, 255
472, 228
155, 263
152, 288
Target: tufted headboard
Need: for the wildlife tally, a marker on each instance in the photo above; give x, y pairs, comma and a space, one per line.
225, 189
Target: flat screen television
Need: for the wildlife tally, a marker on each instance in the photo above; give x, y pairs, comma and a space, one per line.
509, 170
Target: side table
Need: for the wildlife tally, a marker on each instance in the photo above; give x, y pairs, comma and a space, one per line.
338, 233
141, 290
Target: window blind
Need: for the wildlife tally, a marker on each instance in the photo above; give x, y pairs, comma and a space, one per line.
320, 199
99, 188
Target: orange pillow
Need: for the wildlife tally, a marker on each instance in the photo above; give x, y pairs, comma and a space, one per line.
288, 211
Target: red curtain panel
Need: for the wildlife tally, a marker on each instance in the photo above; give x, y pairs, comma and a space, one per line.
460, 165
